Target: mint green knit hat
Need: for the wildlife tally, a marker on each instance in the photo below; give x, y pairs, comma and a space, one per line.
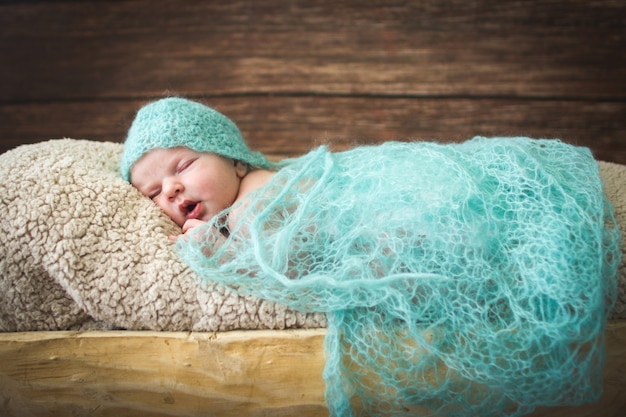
174, 121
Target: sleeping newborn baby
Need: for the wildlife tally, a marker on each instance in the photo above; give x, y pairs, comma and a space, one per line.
461, 279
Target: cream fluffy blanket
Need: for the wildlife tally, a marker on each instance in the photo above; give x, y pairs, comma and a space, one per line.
82, 249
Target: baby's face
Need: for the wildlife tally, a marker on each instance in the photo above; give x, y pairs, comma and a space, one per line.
186, 184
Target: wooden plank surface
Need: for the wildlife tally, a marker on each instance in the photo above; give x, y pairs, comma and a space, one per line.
567, 48
287, 126
312, 71
92, 374
251, 373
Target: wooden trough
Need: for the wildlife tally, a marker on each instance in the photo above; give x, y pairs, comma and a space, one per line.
239, 373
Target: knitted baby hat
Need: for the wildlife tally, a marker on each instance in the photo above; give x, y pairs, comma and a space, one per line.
174, 121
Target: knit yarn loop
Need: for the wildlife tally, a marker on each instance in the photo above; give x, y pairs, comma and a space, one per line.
469, 279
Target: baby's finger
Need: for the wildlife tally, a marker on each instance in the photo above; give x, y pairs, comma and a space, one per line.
191, 224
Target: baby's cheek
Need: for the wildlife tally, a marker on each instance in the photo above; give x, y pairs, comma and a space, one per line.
171, 213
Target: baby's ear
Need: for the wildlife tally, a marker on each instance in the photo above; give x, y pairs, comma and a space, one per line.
241, 168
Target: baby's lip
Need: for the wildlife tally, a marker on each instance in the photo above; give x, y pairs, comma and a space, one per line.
191, 209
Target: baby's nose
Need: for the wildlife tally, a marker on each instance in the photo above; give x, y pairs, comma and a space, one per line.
172, 188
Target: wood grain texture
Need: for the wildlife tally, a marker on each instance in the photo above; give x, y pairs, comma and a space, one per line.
307, 71
242, 373
453, 47
60, 374
288, 126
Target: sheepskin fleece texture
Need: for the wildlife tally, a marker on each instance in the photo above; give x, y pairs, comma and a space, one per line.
80, 248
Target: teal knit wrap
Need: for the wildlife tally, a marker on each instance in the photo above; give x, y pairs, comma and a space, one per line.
172, 122
472, 279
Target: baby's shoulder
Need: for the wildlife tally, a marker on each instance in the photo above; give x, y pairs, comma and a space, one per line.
253, 180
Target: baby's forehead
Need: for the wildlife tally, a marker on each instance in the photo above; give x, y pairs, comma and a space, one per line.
153, 163
162, 155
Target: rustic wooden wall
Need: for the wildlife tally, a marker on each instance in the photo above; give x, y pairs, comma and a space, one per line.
294, 74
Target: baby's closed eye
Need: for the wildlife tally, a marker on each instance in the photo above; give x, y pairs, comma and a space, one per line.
184, 164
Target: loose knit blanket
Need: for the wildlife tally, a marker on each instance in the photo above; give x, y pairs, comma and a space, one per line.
465, 279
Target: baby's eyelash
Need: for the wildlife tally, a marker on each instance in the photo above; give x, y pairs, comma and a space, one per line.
184, 165
154, 194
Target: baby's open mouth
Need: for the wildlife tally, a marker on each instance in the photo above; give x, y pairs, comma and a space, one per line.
191, 209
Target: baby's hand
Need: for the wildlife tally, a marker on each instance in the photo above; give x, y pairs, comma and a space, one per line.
208, 244
188, 226
192, 224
